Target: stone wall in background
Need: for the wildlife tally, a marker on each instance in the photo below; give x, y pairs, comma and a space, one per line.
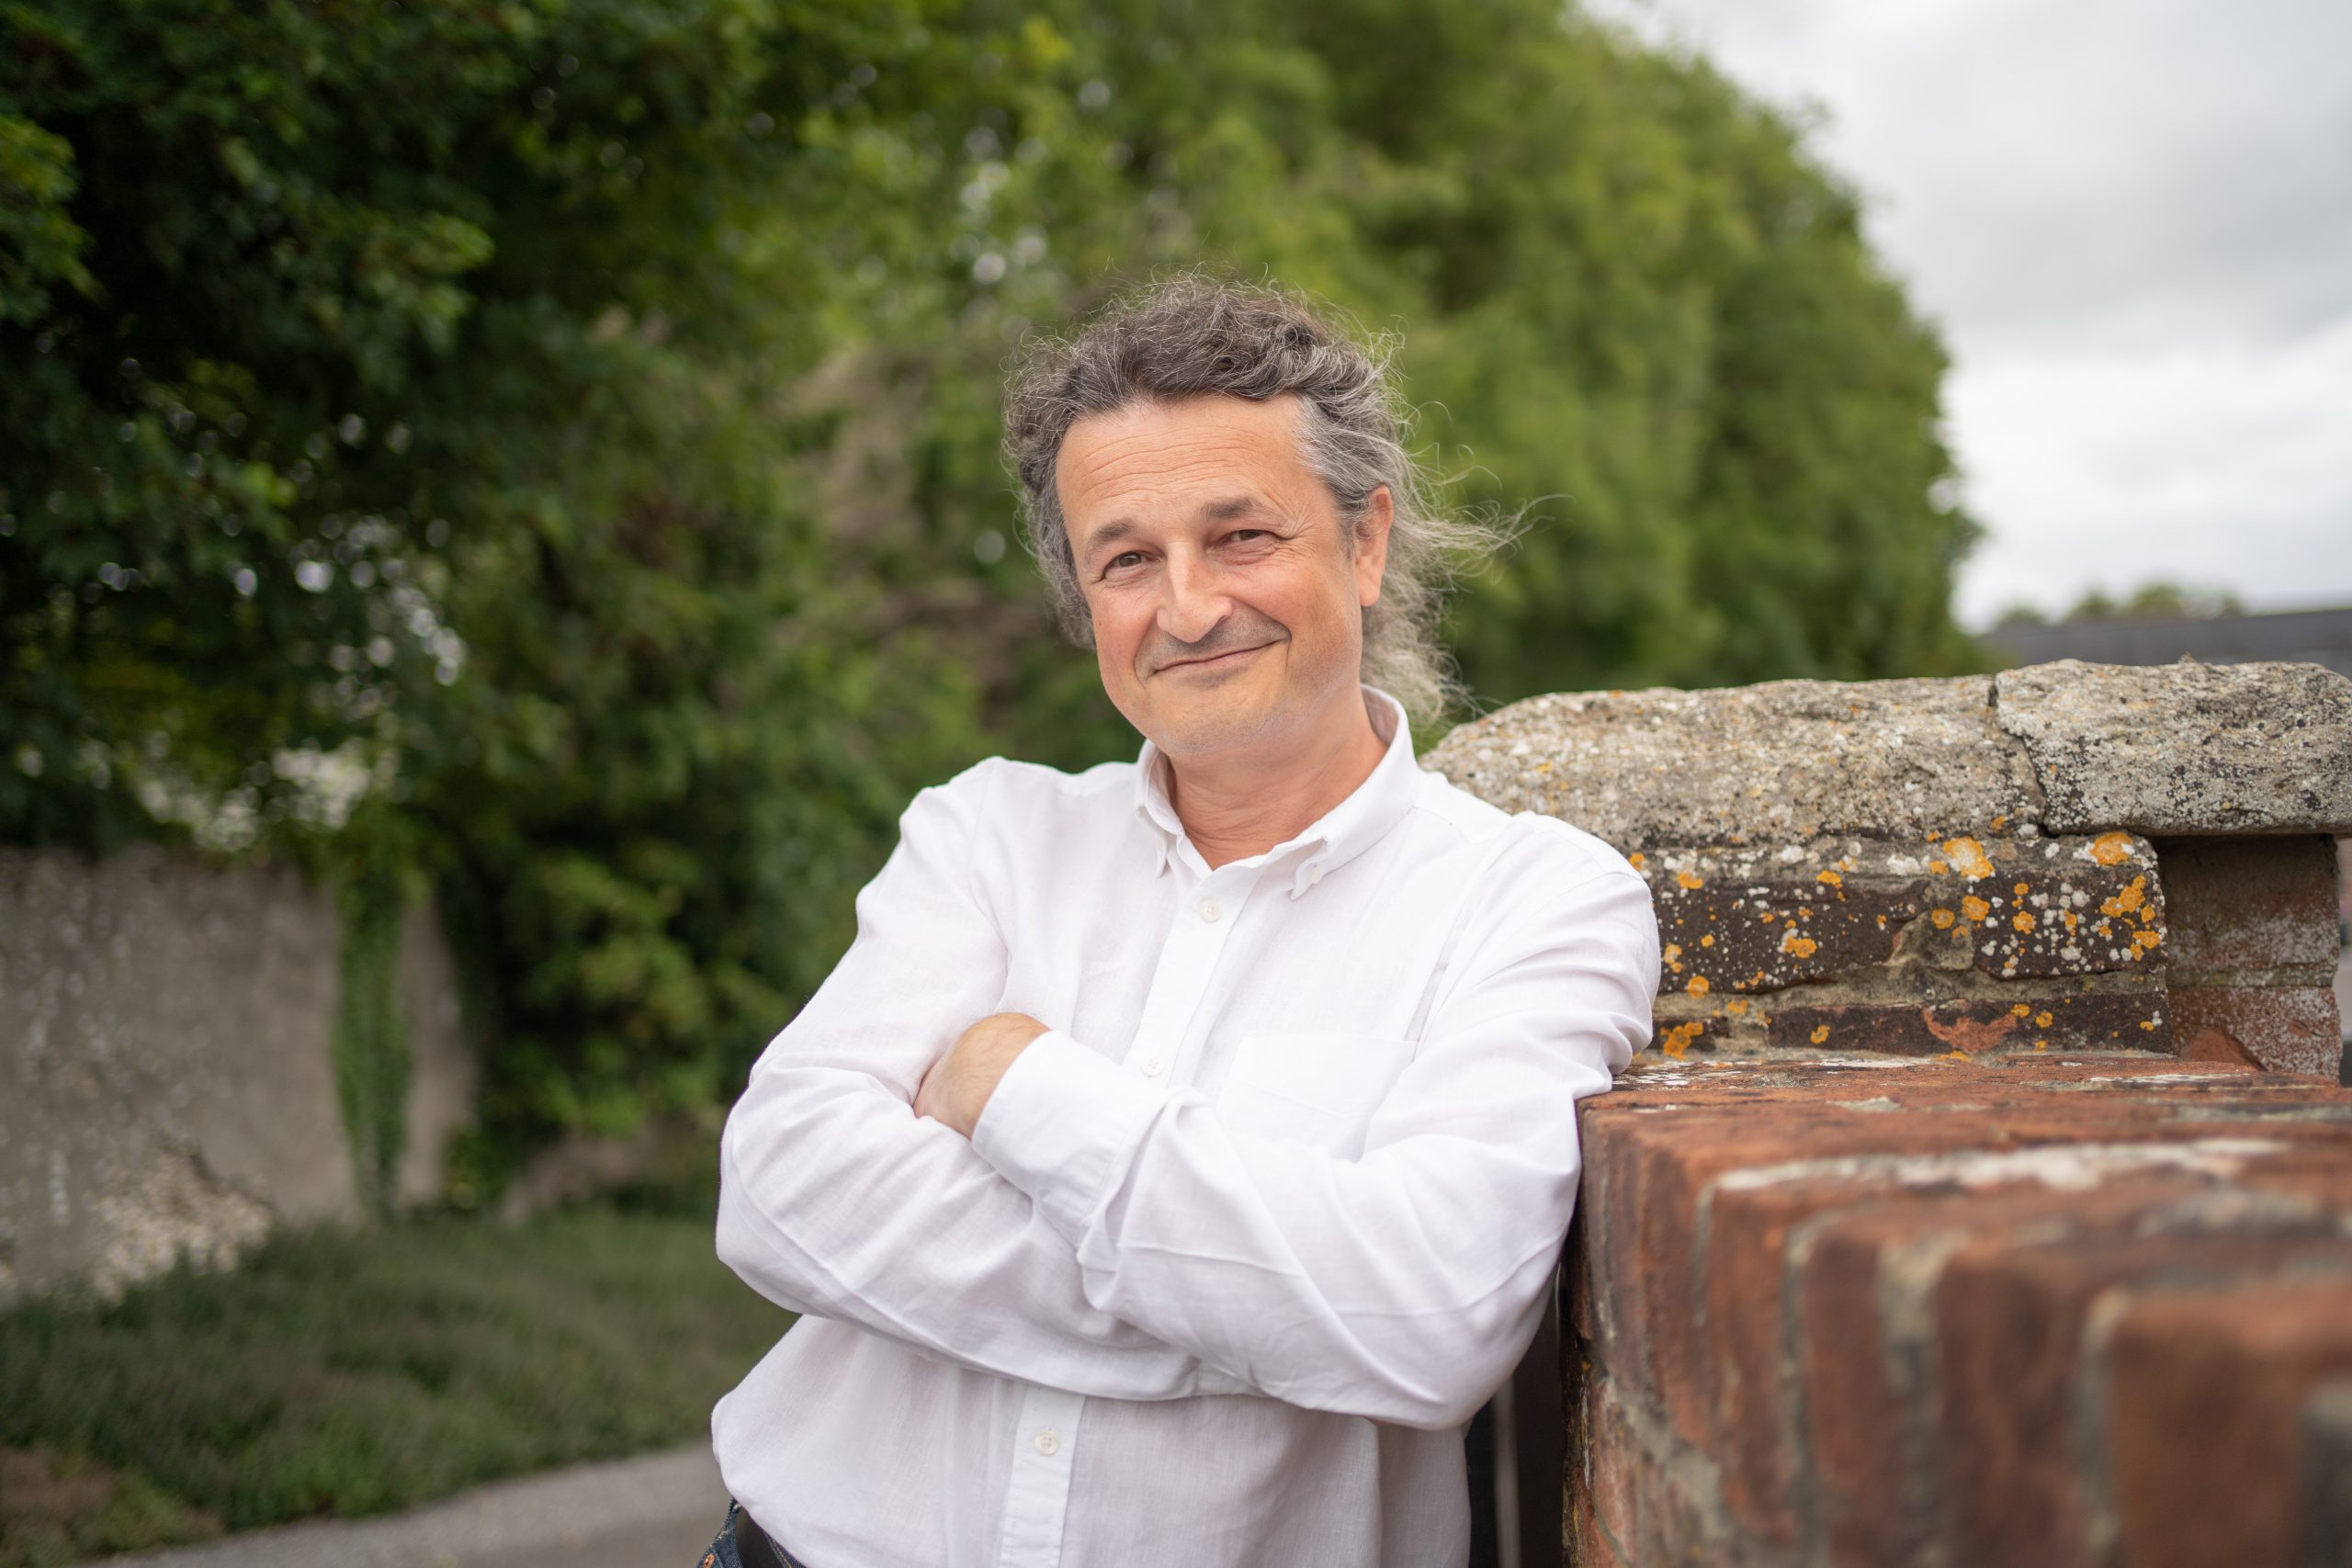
2065, 855
166, 1083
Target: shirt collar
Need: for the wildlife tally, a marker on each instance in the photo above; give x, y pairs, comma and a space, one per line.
1332, 839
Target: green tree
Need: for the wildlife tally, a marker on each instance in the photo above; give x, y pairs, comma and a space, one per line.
547, 448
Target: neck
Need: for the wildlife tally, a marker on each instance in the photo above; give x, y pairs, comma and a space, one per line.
1245, 800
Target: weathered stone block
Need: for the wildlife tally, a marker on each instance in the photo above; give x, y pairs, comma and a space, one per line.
1783, 762
2185, 747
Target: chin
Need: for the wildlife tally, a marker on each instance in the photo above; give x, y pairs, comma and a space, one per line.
1207, 722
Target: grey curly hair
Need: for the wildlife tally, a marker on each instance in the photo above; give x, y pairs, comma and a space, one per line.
1191, 334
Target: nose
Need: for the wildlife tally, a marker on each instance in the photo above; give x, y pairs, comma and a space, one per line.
1191, 601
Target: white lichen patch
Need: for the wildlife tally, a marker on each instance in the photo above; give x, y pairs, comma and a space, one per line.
2068, 1167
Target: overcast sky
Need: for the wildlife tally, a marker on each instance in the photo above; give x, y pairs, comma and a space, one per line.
2132, 222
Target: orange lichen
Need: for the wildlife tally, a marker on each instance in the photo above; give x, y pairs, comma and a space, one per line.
2020, 1010
2042, 1020
1707, 941
2151, 940
1998, 823
2042, 1044
1737, 1006
2149, 1024
1938, 867
1678, 1039
1975, 908
1800, 946
1685, 879
1969, 856
1820, 1034
1638, 860
1699, 987
2021, 889
1940, 918
2111, 849
1830, 877
2134, 894
2022, 921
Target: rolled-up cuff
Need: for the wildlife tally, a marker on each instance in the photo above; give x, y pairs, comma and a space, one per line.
1063, 1126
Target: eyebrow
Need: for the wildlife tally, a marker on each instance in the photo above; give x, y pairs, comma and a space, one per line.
1222, 510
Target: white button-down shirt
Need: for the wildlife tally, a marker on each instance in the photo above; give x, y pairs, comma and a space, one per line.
1240, 1243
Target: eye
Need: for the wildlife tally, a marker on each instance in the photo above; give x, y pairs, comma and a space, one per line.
1238, 535
1125, 557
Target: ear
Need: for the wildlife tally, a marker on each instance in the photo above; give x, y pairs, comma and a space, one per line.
1371, 545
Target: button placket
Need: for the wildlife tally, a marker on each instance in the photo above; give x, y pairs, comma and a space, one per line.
1188, 961
1036, 1498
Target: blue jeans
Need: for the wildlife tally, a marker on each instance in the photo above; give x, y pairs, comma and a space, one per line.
724, 1554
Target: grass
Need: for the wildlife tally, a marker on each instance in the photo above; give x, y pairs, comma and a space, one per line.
351, 1373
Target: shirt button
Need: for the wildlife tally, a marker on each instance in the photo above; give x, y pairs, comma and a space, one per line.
1152, 1067
1049, 1441
1209, 912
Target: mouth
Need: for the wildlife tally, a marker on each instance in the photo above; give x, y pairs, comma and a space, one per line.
1214, 664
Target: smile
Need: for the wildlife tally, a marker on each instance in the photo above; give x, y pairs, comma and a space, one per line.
1209, 666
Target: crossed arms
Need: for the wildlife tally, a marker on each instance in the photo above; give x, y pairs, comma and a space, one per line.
1099, 1235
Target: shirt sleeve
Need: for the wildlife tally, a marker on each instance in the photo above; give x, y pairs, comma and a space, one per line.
1404, 1284
836, 1200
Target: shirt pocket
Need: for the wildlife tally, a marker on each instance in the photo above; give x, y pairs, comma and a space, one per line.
1315, 1089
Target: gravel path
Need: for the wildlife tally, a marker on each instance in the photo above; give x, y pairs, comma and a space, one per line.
658, 1511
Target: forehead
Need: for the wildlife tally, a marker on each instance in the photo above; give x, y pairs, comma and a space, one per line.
1151, 456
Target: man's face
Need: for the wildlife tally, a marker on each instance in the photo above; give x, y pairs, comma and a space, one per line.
1226, 599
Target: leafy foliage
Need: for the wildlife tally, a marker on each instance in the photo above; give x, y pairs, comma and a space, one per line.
350, 1373
2155, 601
551, 444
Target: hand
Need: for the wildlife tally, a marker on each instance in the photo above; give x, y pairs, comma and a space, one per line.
956, 1088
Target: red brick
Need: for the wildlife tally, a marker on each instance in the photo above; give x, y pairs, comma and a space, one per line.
1747, 1334
2250, 903
2288, 1029
2209, 1044
2207, 1421
1861, 1420
2012, 1329
1870, 1381
1712, 1183
1604, 1499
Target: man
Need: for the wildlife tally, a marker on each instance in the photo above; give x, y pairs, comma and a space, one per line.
1181, 1154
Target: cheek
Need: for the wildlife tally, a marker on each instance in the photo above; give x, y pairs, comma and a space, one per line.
1317, 602
1118, 630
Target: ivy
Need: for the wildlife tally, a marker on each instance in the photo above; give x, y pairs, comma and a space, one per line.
370, 1042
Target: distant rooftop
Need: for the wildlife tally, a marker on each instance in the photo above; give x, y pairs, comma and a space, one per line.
2311, 637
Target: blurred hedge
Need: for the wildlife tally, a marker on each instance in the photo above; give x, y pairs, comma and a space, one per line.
546, 450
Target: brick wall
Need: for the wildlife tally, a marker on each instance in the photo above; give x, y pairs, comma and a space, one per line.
2078, 1309
1985, 1196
